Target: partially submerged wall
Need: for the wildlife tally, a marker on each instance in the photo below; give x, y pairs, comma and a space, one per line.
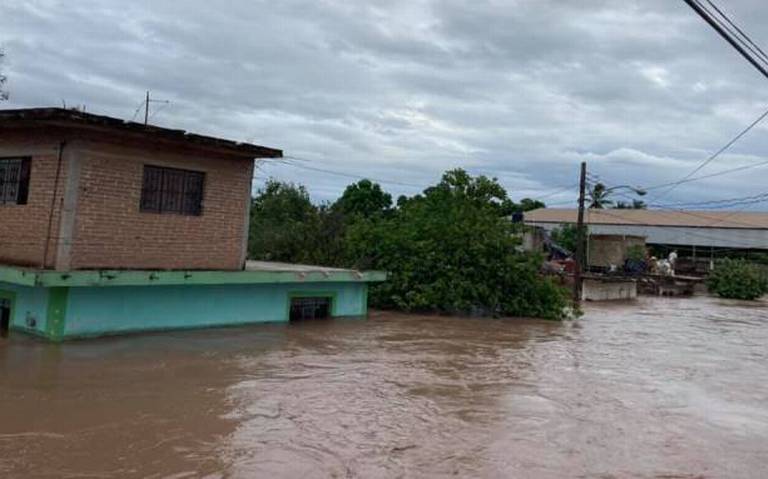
64, 313
617, 290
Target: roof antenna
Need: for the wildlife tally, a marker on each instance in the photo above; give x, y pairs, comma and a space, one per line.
147, 101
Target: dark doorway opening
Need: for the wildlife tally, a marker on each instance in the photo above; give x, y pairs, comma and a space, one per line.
310, 308
5, 317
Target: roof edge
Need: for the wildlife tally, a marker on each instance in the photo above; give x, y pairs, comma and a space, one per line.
31, 117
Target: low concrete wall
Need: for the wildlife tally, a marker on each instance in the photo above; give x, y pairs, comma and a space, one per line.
596, 290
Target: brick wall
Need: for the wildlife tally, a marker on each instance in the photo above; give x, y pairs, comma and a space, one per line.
24, 228
111, 232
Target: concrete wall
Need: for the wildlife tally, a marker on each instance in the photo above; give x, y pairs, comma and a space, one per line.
606, 250
594, 290
65, 313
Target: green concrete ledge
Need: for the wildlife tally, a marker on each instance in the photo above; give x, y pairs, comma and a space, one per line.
54, 279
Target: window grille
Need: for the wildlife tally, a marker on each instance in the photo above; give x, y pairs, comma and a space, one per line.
171, 190
310, 308
14, 181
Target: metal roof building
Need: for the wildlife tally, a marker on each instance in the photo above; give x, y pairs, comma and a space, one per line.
709, 229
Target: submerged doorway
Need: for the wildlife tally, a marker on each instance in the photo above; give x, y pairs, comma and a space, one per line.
315, 307
5, 317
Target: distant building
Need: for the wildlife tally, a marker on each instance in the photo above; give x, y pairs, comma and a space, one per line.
110, 226
701, 231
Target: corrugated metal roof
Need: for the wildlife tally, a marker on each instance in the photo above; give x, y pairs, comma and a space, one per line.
42, 117
677, 218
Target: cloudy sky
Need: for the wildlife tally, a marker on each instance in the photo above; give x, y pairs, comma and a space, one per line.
402, 90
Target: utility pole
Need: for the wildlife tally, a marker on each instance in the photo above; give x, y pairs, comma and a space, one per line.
146, 110
580, 236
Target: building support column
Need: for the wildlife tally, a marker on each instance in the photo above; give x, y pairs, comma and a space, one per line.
55, 321
68, 213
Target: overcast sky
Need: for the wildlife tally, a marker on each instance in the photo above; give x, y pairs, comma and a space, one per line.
400, 91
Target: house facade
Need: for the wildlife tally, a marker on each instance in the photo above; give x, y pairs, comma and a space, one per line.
80, 191
108, 226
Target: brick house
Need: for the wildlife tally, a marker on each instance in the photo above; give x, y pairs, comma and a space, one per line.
90, 203
82, 191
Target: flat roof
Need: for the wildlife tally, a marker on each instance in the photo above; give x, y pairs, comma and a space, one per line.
662, 218
41, 117
255, 272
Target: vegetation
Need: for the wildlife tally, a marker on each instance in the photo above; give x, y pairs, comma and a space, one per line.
449, 249
634, 205
565, 236
598, 197
737, 279
636, 252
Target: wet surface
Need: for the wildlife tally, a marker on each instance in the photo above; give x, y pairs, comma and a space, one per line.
665, 388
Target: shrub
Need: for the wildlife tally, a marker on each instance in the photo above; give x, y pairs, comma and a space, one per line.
737, 279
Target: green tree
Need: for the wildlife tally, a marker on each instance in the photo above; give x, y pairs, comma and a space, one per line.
451, 250
527, 204
598, 197
280, 215
363, 198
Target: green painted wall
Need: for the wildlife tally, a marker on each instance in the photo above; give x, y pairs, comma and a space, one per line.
60, 313
95, 311
30, 307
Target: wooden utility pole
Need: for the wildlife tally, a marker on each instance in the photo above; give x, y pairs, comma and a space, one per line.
580, 236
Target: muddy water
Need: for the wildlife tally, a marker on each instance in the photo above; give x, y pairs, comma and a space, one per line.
665, 388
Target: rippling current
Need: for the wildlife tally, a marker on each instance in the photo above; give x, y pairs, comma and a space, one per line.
661, 388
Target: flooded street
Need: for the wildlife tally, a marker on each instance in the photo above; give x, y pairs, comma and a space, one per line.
665, 388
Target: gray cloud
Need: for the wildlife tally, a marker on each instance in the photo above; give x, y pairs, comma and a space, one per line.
402, 90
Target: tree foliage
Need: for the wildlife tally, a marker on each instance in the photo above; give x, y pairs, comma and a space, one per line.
598, 197
449, 249
634, 205
280, 215
737, 279
365, 199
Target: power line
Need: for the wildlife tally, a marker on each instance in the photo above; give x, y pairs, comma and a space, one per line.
704, 177
714, 156
342, 174
759, 52
734, 41
738, 35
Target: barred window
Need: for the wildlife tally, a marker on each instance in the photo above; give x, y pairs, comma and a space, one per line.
310, 308
14, 181
171, 190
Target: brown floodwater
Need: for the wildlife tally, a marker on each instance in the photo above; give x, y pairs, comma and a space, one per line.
661, 388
